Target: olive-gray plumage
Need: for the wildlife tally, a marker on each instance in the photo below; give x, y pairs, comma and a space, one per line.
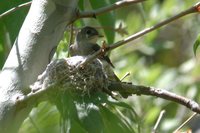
86, 44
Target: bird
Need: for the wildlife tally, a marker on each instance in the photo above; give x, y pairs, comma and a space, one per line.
86, 44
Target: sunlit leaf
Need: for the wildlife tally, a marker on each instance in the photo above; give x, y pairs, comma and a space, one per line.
80, 4
44, 118
107, 20
196, 45
14, 20
10, 25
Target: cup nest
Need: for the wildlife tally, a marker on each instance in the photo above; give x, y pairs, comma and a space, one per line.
67, 74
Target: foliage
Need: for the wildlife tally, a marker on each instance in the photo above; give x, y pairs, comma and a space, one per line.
196, 45
95, 113
10, 26
164, 58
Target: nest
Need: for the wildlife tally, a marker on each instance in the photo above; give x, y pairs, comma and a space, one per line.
66, 74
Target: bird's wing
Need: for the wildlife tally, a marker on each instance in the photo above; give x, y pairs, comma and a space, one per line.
96, 47
107, 59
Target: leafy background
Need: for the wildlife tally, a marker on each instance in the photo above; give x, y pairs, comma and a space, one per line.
163, 58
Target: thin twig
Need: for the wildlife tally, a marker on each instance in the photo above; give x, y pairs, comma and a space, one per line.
15, 8
126, 75
120, 30
158, 121
71, 37
192, 116
94, 13
193, 9
119, 4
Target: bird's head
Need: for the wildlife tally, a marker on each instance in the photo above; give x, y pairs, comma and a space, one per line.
88, 34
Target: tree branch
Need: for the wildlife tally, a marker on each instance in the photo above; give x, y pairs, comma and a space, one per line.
14, 9
41, 31
161, 93
193, 9
119, 4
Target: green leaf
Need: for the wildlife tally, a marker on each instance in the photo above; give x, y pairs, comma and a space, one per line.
10, 25
14, 20
120, 104
106, 20
112, 1
81, 4
44, 119
69, 111
196, 45
90, 117
113, 123
76, 127
4, 44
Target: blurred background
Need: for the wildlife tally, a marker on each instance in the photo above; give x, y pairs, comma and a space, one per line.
163, 58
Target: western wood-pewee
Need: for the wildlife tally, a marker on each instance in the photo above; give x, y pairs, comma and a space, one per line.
86, 44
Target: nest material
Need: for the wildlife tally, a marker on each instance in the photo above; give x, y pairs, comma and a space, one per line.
65, 74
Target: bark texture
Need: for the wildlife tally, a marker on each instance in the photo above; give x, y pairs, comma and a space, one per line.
40, 33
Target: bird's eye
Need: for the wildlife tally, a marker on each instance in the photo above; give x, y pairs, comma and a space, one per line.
88, 32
